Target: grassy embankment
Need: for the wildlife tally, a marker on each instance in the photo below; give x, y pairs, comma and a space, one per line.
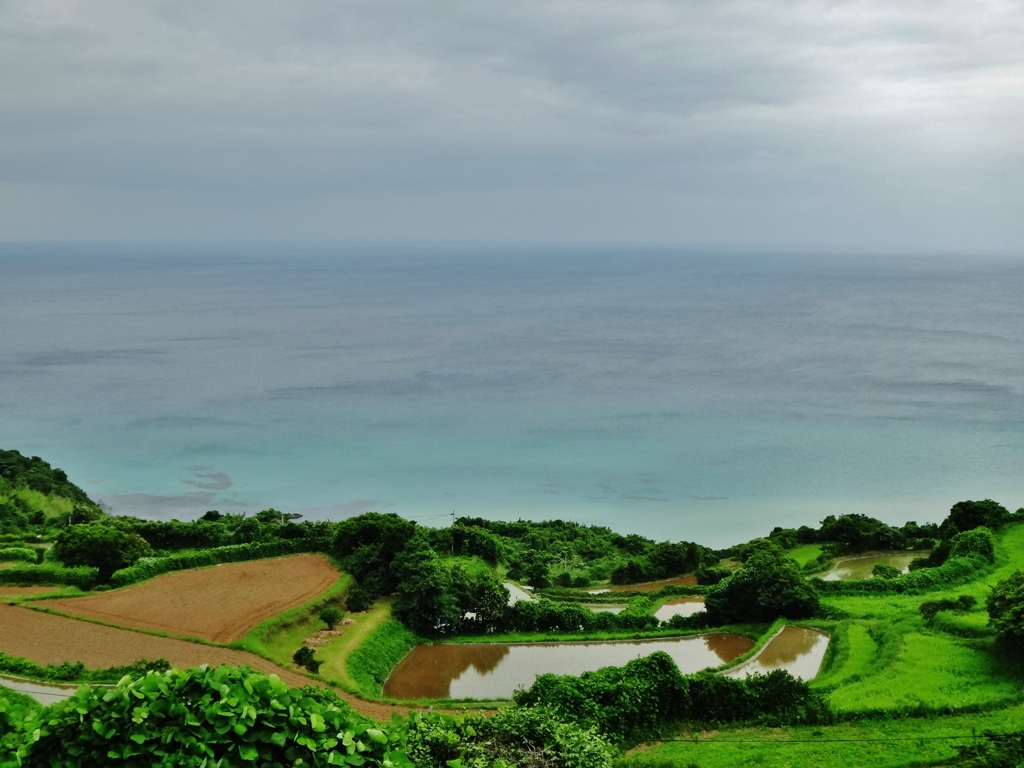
909, 692
805, 553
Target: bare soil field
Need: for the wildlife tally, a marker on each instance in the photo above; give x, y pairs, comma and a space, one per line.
221, 603
48, 639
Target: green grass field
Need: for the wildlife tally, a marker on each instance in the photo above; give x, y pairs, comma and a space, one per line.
804, 554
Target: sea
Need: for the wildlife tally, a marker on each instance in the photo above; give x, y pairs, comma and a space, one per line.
675, 393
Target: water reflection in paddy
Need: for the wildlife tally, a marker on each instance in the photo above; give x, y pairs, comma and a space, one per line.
858, 567
494, 671
44, 693
797, 650
679, 606
604, 607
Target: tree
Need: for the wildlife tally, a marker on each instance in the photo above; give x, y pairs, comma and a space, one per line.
885, 571
105, 547
1006, 608
769, 586
331, 616
968, 515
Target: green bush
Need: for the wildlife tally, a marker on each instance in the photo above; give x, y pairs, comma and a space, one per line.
305, 657
104, 547
769, 586
929, 608
523, 736
371, 663
25, 554
50, 575
647, 696
225, 716
331, 616
67, 672
974, 543
1006, 608
885, 571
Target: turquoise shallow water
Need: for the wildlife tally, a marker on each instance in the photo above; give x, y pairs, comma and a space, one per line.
676, 394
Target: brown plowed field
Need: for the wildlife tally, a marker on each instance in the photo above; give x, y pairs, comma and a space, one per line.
48, 639
221, 603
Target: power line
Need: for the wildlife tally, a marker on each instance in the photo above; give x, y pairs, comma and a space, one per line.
813, 741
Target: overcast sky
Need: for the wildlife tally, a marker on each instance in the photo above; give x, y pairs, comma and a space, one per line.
871, 124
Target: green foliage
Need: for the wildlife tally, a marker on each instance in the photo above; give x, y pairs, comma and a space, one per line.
148, 567
104, 547
853, 652
994, 750
24, 472
956, 570
331, 616
885, 571
25, 554
371, 663
529, 737
931, 607
647, 696
46, 574
769, 586
223, 716
968, 515
1006, 608
67, 672
367, 544
662, 561
977, 542
305, 657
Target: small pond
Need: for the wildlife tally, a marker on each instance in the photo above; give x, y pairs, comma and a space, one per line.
516, 593
44, 693
679, 606
857, 567
494, 671
797, 650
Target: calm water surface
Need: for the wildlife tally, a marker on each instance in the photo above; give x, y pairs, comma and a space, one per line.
495, 671
680, 606
797, 650
675, 394
44, 693
857, 567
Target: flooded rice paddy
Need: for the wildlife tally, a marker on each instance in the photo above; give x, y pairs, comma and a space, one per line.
44, 693
797, 650
857, 567
605, 607
495, 670
679, 606
517, 593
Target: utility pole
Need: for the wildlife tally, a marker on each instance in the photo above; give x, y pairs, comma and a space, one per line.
453, 535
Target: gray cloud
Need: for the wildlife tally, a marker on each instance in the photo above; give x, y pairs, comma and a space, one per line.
185, 506
863, 123
210, 481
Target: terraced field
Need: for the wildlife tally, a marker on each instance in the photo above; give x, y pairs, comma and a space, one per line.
220, 604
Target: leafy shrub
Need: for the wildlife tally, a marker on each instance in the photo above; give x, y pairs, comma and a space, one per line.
709, 576
360, 597
305, 657
104, 547
528, 737
371, 663
223, 716
968, 515
974, 543
331, 616
25, 554
885, 571
647, 696
1006, 608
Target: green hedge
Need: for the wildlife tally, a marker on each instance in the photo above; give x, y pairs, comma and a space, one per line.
956, 570
27, 554
649, 696
371, 663
47, 574
148, 567
77, 672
